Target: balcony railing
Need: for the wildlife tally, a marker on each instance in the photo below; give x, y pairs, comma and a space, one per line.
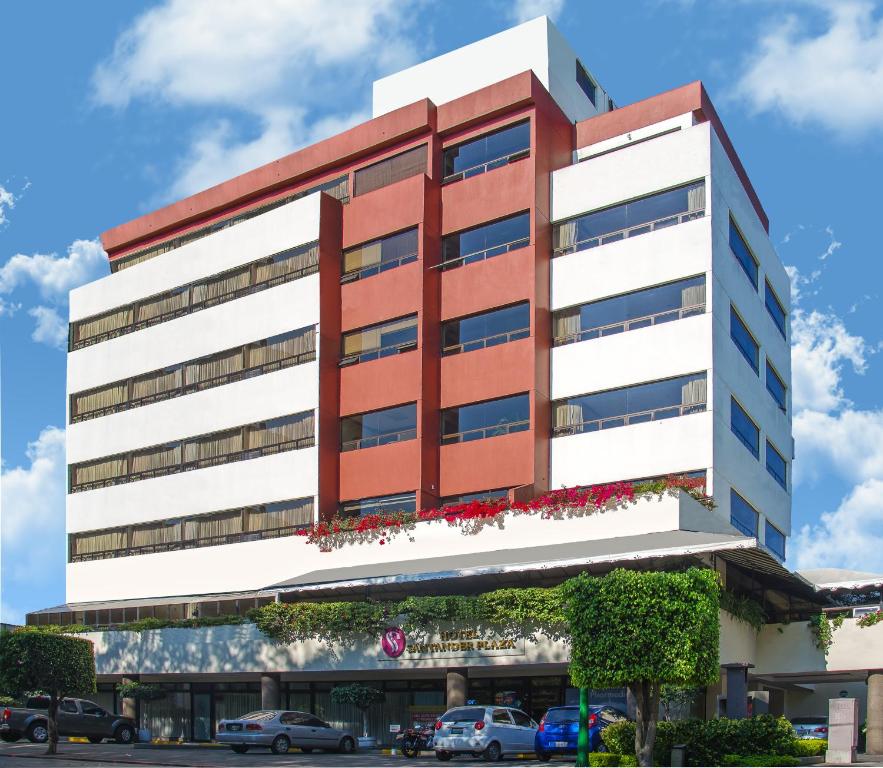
641, 417
482, 432
488, 341
622, 234
378, 352
630, 325
375, 440
376, 269
487, 253
171, 546
477, 170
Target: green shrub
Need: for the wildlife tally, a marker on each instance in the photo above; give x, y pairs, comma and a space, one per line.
603, 759
628, 761
809, 747
619, 737
750, 761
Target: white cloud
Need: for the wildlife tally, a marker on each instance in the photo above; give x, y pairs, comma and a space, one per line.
525, 10
7, 203
50, 329
8, 308
833, 78
55, 275
278, 63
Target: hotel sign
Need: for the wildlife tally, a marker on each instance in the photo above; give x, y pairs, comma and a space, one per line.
455, 643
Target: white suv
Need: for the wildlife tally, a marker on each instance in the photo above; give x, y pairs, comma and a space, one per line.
488, 732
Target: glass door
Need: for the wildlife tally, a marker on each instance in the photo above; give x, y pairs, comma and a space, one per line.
202, 716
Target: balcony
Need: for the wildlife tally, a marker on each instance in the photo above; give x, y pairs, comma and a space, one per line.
503, 461
380, 383
487, 284
487, 373
393, 293
365, 473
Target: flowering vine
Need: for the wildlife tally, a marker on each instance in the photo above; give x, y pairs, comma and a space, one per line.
473, 516
870, 619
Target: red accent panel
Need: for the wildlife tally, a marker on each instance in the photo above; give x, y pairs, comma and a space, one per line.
380, 383
384, 211
485, 374
495, 462
678, 101
504, 279
380, 471
381, 297
483, 105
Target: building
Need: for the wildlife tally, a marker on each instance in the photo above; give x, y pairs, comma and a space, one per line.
499, 285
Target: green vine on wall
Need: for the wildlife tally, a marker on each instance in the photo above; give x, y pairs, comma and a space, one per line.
744, 609
823, 630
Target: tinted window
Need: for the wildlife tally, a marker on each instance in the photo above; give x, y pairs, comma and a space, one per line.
473, 155
775, 308
743, 253
380, 255
380, 340
488, 419
88, 708
776, 387
378, 505
368, 430
744, 428
744, 340
294, 718
775, 540
585, 82
65, 706
563, 715
522, 719
487, 241
315, 722
501, 716
466, 714
487, 329
496, 495
742, 515
776, 465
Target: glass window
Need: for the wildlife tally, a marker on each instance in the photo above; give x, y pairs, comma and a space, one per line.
743, 339
495, 495
522, 719
744, 428
743, 253
742, 515
775, 308
403, 502
630, 311
379, 340
636, 217
774, 540
486, 330
584, 81
501, 717
380, 255
463, 715
776, 465
486, 241
486, 152
488, 419
630, 405
776, 387
389, 425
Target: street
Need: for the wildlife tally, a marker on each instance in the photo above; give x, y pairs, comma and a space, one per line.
24, 754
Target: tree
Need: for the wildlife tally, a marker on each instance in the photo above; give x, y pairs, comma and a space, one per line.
643, 630
360, 696
57, 665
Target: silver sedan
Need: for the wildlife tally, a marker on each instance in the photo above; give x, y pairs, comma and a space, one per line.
280, 730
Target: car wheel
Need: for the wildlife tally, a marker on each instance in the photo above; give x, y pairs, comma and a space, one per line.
38, 733
10, 737
124, 735
280, 745
492, 752
96, 739
239, 749
544, 756
347, 745
443, 756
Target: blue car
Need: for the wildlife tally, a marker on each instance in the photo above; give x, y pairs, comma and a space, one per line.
559, 728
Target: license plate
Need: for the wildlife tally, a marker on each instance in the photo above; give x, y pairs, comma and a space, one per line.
234, 727
456, 731
560, 743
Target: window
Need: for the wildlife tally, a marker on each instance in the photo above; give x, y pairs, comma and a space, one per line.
744, 428
392, 169
500, 494
65, 705
521, 719
486, 241
584, 81
630, 311
294, 718
636, 217
501, 717
742, 515
637, 404
743, 253
775, 308
368, 430
380, 340
379, 505
774, 540
776, 465
493, 150
486, 330
379, 255
743, 339
776, 387
488, 419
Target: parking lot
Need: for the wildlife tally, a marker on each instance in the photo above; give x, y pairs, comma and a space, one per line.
24, 754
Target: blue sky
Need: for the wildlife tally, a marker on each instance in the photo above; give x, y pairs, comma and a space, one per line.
115, 108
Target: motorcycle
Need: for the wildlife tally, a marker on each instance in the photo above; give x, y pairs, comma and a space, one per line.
416, 739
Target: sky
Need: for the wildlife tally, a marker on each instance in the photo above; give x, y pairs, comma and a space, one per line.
113, 109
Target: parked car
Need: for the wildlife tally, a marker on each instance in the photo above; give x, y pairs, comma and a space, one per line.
488, 732
76, 717
282, 729
810, 727
559, 730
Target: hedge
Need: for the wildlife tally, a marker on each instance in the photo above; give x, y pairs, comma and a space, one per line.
810, 747
759, 760
603, 759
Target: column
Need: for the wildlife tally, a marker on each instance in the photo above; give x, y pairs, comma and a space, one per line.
456, 687
270, 694
129, 706
737, 690
875, 713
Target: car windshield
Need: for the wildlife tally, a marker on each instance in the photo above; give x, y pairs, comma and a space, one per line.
262, 715
563, 715
467, 714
